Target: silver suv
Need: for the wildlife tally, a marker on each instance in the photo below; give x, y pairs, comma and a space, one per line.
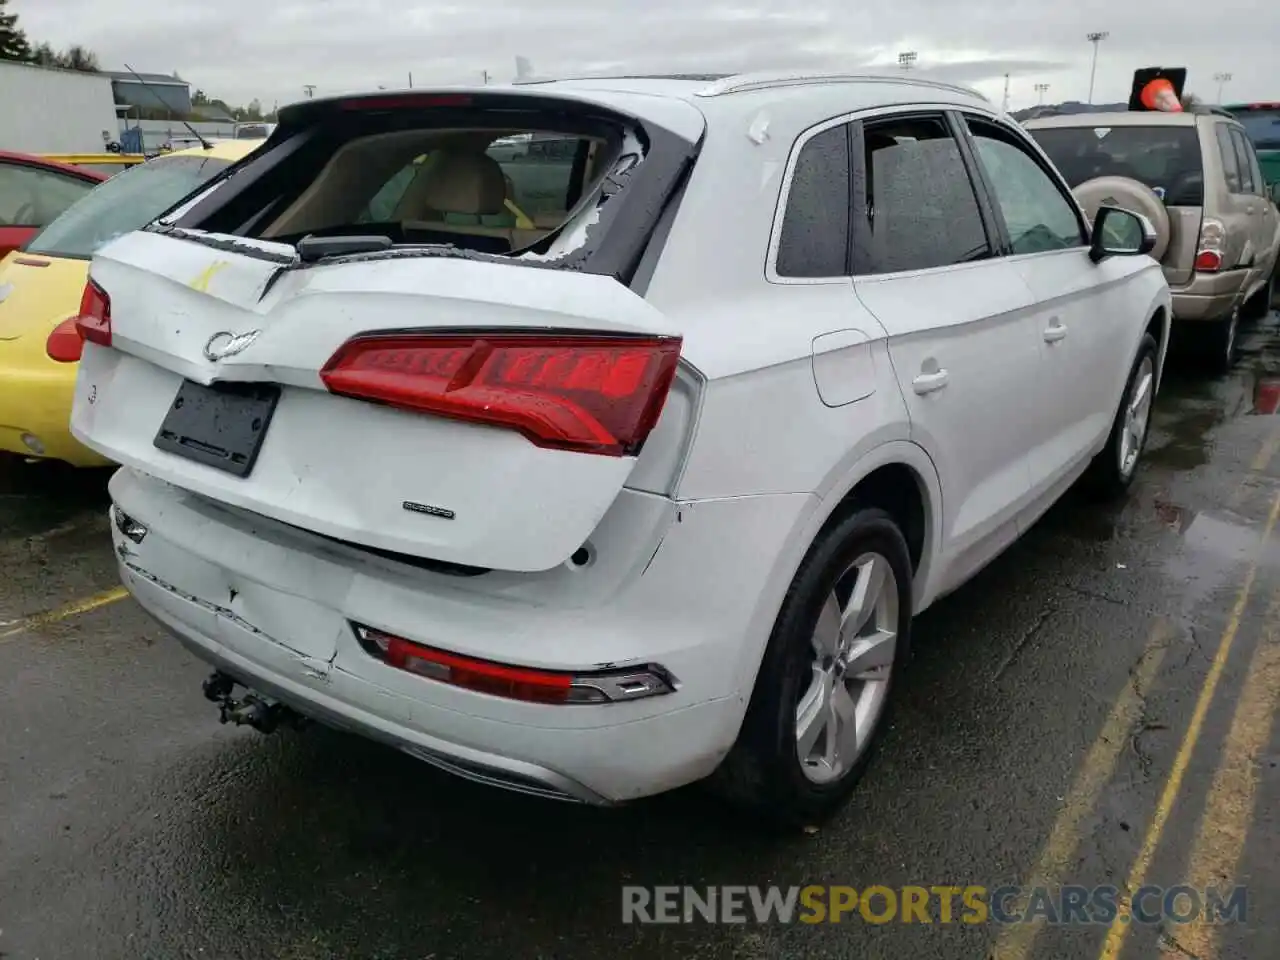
1195, 176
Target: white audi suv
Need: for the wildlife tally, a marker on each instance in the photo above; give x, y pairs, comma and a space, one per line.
604, 467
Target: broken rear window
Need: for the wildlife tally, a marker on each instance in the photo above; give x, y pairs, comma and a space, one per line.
537, 179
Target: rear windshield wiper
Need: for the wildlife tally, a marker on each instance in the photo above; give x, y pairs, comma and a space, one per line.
311, 249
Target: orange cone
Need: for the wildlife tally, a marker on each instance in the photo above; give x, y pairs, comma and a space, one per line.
1160, 95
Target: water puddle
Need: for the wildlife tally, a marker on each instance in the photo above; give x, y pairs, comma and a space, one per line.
1214, 548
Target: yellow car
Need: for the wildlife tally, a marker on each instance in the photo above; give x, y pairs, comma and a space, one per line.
41, 287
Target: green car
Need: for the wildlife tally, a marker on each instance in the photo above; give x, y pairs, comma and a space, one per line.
1262, 124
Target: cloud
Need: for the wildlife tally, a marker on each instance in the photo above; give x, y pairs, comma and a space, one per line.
238, 49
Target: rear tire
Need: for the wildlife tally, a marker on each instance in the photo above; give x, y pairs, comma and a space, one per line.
1222, 343
1259, 305
797, 759
1112, 471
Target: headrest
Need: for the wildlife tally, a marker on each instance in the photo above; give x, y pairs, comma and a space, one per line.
469, 183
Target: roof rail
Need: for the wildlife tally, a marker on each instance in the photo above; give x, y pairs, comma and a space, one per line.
764, 80
1203, 108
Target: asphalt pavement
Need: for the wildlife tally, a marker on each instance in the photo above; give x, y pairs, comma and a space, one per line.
1097, 708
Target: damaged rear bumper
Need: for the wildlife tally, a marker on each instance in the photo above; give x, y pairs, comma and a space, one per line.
274, 610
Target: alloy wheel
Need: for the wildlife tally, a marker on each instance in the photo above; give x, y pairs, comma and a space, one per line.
1137, 416
854, 645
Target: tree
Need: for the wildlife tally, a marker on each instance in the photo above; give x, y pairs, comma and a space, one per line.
43, 55
73, 58
13, 41
80, 58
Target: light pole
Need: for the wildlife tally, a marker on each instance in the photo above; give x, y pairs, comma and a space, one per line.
1005, 105
906, 59
1041, 89
309, 89
1095, 39
1223, 79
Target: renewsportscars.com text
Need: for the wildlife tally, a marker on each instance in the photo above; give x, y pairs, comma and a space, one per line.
933, 904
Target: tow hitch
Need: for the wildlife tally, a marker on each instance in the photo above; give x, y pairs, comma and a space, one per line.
253, 709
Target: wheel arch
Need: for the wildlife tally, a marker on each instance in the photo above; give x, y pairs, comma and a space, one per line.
874, 479
1160, 325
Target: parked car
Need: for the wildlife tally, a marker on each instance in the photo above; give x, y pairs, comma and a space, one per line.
1196, 176
40, 297
1262, 125
252, 130
648, 495
33, 191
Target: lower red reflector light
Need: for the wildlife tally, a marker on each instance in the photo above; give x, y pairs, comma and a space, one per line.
515, 683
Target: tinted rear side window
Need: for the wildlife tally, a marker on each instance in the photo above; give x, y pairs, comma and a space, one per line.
1243, 152
1227, 150
921, 210
815, 229
1166, 159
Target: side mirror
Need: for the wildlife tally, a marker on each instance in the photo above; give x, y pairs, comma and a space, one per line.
1120, 233
1274, 191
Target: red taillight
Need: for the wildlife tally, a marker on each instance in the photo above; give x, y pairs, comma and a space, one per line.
517, 683
407, 101
64, 343
514, 683
94, 322
1208, 261
588, 394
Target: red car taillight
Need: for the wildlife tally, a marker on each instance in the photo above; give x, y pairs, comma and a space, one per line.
1209, 248
584, 393
1208, 261
516, 683
94, 322
64, 343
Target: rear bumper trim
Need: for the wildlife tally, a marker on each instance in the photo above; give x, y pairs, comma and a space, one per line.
476, 765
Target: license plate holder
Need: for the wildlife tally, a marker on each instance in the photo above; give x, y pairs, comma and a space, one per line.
221, 425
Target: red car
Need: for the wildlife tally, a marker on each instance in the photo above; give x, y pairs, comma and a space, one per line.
33, 191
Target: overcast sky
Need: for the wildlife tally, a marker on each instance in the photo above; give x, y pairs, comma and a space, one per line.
240, 49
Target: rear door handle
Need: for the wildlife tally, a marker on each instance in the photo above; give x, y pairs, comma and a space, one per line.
1055, 331
929, 382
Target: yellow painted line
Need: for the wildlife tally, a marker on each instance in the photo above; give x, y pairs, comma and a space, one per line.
64, 612
1015, 941
1112, 946
1267, 451
1058, 856
1224, 825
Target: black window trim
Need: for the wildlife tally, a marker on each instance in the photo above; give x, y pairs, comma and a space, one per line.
784, 197
859, 229
959, 118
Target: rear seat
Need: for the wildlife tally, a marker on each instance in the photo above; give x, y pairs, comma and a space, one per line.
470, 184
